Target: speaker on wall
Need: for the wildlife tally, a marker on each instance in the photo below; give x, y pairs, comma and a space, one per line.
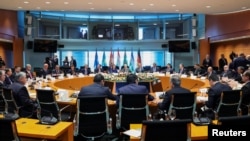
194, 32
29, 44
164, 45
60, 46
193, 45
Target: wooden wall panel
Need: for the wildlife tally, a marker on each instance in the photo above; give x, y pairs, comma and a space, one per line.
8, 24
237, 46
204, 48
18, 47
225, 26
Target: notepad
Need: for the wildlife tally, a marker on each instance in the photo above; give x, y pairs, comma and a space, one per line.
133, 132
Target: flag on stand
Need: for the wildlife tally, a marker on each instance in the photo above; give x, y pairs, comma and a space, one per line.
118, 62
132, 64
125, 61
138, 57
104, 63
111, 57
96, 59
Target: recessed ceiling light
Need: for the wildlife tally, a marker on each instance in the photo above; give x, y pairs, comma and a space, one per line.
177, 10
66, 2
90, 3
166, 23
19, 7
131, 3
151, 4
117, 24
154, 23
47, 2
208, 6
244, 7
173, 5
62, 10
26, 2
92, 8
109, 8
38, 7
144, 9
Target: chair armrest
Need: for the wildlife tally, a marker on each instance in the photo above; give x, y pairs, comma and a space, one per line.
109, 126
118, 122
64, 108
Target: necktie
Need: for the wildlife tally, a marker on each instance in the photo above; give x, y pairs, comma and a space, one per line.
30, 75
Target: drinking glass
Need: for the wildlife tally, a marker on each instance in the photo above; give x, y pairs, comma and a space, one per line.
172, 114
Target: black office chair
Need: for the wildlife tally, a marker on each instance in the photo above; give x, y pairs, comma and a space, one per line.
168, 130
11, 108
239, 121
48, 109
133, 108
2, 104
229, 104
156, 85
92, 117
8, 130
184, 105
109, 84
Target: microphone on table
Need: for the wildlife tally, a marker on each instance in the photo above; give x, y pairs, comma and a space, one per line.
193, 86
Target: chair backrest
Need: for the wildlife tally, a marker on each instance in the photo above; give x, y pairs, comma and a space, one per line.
184, 105
156, 85
10, 103
243, 120
169, 130
229, 104
47, 105
92, 117
133, 108
109, 84
8, 130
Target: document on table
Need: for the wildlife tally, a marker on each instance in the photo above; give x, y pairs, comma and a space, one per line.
133, 132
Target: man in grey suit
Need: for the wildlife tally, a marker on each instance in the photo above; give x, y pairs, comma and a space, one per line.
97, 88
132, 87
175, 84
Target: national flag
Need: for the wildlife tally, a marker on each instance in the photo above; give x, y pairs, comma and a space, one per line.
138, 57
118, 62
111, 57
96, 59
125, 61
104, 62
132, 62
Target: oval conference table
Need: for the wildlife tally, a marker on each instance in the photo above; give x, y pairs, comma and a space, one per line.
74, 84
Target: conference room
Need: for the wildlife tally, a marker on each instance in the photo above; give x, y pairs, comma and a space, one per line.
93, 34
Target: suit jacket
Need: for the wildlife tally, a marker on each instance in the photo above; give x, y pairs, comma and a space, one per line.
214, 94
164, 105
23, 100
43, 73
139, 70
8, 81
97, 70
29, 75
56, 73
87, 71
245, 98
152, 69
72, 72
228, 74
183, 71
73, 62
206, 63
198, 71
95, 90
134, 89
222, 63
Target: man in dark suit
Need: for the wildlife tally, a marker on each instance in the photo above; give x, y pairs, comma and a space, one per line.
86, 70
139, 68
209, 72
245, 92
132, 87
72, 70
226, 72
197, 70
72, 61
45, 70
222, 62
22, 97
56, 71
207, 62
28, 72
182, 70
98, 69
154, 68
8, 80
2, 78
97, 88
214, 93
175, 84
